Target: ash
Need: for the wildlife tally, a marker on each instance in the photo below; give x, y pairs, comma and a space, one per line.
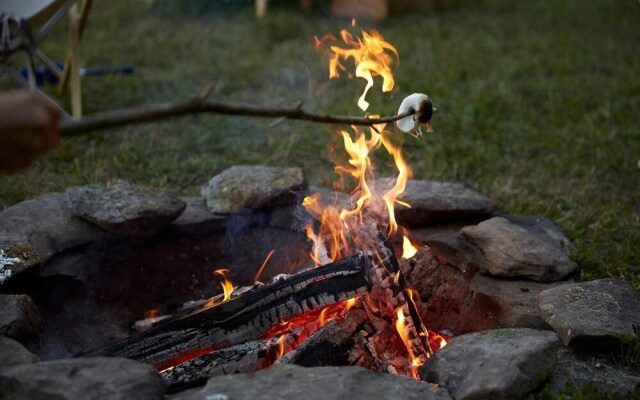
5, 262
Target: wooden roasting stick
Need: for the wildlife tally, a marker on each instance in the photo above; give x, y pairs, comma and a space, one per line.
201, 105
246, 317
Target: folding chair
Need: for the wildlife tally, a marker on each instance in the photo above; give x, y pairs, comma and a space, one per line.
19, 40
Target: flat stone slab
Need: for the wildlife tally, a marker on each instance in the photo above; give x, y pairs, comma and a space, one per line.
82, 378
124, 208
440, 202
519, 246
284, 381
252, 187
596, 313
607, 376
13, 353
19, 317
515, 299
493, 364
34, 230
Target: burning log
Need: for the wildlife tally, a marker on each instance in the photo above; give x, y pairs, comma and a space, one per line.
328, 345
245, 318
242, 358
391, 295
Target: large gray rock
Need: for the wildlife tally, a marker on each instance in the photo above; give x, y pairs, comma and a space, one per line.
518, 246
13, 353
81, 378
34, 230
495, 364
252, 186
515, 299
608, 377
595, 313
125, 209
19, 317
438, 202
319, 383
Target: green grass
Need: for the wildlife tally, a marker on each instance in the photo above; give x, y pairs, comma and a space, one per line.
539, 106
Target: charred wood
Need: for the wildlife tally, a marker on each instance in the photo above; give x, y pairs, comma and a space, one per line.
330, 344
245, 318
241, 358
393, 295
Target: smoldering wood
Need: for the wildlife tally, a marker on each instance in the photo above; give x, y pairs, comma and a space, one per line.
161, 111
390, 288
247, 317
241, 358
327, 345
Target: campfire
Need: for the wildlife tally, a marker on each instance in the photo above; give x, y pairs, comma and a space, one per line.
355, 268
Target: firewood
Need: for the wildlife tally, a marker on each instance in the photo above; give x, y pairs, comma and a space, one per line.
245, 357
246, 317
391, 291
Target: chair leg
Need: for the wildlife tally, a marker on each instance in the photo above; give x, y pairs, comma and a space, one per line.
74, 67
261, 8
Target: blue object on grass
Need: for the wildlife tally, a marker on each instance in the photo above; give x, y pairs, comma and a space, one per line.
44, 76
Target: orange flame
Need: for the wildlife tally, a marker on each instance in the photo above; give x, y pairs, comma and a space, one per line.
404, 173
408, 249
350, 303
370, 57
227, 286
280, 348
264, 263
340, 227
323, 316
401, 327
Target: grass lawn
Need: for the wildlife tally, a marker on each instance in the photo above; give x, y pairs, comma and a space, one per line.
539, 106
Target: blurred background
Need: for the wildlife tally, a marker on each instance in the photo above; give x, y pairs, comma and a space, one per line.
538, 102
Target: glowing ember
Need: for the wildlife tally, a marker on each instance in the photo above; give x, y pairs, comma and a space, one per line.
370, 55
311, 321
227, 286
408, 249
152, 315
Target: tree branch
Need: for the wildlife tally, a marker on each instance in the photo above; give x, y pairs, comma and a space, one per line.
154, 112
